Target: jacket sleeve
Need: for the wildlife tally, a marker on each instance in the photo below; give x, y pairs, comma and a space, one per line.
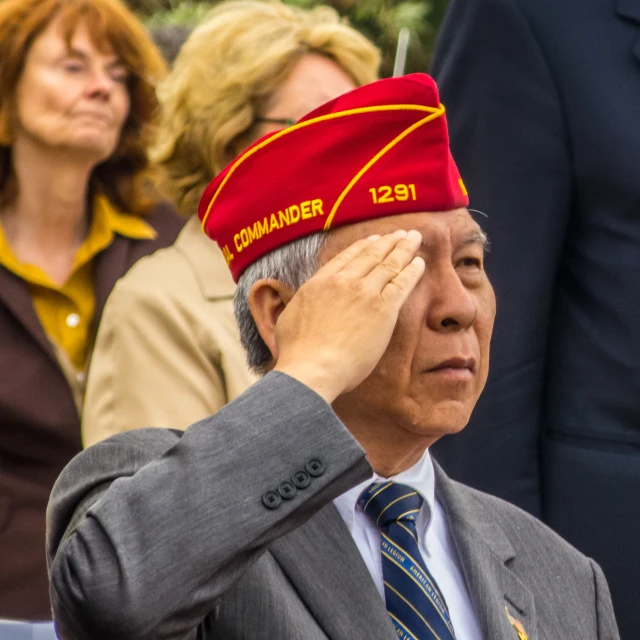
607, 626
509, 140
152, 363
147, 529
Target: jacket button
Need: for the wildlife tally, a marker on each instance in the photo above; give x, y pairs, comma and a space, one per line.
301, 479
314, 468
271, 500
287, 490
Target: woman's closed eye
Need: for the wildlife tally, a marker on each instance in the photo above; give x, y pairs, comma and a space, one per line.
119, 73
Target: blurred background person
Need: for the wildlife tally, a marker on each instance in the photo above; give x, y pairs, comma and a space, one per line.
551, 153
169, 40
380, 21
77, 105
168, 351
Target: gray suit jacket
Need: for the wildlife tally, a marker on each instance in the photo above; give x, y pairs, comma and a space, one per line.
158, 534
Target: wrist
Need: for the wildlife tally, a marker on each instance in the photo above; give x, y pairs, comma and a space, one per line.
321, 380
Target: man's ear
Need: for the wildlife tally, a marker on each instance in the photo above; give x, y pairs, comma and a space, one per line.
267, 300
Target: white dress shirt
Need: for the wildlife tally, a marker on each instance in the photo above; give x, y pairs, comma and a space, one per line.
435, 544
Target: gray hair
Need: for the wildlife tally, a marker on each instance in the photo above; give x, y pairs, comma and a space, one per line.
292, 264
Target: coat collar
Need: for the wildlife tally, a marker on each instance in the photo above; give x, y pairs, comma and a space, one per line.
109, 265
206, 261
323, 562
630, 10
485, 553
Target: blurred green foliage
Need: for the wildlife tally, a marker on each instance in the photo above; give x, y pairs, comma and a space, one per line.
380, 20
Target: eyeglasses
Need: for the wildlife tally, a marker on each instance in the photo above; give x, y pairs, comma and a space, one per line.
286, 122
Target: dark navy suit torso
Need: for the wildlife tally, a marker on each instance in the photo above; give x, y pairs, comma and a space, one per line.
543, 102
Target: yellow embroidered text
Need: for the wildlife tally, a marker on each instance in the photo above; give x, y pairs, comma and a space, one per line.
291, 215
385, 194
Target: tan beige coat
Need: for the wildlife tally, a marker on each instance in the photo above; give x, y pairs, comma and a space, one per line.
168, 351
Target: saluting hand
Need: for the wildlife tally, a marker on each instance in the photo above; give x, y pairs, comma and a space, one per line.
337, 326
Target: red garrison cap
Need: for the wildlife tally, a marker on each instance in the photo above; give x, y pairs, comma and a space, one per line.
379, 150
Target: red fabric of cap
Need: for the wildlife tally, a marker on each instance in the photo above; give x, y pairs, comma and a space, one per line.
379, 150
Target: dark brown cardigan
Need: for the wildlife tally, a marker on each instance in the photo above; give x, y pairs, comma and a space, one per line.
39, 422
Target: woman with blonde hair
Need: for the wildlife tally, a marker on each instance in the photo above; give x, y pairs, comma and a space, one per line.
77, 111
168, 352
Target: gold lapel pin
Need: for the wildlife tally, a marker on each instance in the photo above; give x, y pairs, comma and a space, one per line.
517, 625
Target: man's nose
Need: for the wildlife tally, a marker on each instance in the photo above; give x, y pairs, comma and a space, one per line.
452, 306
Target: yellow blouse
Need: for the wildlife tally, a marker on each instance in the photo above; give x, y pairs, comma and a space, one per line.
66, 312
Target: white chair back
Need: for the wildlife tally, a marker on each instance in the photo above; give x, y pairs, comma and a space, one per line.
14, 630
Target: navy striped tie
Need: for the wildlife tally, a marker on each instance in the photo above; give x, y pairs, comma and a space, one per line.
414, 602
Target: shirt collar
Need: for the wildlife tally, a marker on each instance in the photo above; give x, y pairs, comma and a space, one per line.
420, 477
106, 215
106, 222
206, 261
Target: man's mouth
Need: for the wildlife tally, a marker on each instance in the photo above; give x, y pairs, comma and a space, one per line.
455, 368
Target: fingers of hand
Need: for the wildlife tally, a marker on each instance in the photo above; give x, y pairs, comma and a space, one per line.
395, 261
398, 289
373, 255
338, 262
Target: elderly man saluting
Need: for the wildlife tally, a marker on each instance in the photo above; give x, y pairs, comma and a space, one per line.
362, 296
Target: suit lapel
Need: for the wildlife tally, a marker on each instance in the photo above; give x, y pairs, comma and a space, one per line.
630, 10
484, 552
324, 564
326, 568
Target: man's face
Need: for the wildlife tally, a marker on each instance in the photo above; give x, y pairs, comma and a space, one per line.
436, 365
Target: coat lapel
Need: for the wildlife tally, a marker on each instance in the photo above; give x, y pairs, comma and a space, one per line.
14, 294
630, 10
485, 552
109, 265
324, 564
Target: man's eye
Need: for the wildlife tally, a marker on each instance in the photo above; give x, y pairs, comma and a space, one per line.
470, 262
